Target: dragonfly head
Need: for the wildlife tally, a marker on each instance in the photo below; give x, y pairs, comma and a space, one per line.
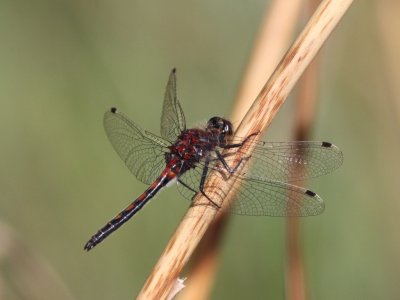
222, 126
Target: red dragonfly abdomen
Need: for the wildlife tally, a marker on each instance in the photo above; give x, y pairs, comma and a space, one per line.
166, 176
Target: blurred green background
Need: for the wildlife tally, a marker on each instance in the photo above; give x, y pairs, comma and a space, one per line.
64, 63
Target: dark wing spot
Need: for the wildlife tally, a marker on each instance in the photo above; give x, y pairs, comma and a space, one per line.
113, 110
326, 144
310, 193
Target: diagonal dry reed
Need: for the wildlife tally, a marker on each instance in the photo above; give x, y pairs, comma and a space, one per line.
274, 37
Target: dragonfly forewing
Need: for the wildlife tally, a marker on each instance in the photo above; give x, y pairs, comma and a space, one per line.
172, 117
290, 161
142, 152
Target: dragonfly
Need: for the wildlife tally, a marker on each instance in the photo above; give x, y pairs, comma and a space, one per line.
187, 157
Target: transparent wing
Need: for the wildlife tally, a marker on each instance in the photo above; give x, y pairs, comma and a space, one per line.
256, 197
260, 197
172, 118
189, 182
289, 161
142, 151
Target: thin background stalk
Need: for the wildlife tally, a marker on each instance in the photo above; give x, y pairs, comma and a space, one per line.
274, 38
386, 108
304, 116
295, 275
388, 21
272, 96
271, 43
27, 275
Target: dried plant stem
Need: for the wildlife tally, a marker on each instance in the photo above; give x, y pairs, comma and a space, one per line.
204, 263
199, 216
271, 43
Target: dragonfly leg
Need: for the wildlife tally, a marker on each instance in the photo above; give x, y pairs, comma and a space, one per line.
238, 145
221, 157
202, 181
230, 170
187, 186
195, 191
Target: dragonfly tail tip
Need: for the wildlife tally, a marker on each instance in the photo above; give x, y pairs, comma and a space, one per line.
89, 246
326, 144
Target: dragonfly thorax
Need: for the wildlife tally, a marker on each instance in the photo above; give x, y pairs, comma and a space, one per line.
193, 144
